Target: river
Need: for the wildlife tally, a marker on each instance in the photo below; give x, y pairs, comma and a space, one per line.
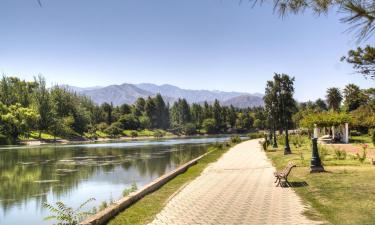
72, 174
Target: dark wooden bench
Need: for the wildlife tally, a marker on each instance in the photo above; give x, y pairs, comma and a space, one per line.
283, 174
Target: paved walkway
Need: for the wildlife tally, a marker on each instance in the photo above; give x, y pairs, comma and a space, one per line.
237, 189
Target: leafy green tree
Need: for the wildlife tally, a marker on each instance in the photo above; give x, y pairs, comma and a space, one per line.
17, 120
362, 60
108, 108
139, 107
354, 97
114, 129
217, 114
197, 114
189, 129
129, 122
321, 105
43, 104
334, 98
210, 126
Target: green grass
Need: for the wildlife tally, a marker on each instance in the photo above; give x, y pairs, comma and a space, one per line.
344, 195
147, 208
362, 139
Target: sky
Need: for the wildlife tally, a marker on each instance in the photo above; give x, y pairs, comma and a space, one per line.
223, 45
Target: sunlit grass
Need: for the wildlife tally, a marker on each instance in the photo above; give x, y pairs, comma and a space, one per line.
345, 194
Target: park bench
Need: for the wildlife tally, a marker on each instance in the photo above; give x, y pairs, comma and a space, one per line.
283, 174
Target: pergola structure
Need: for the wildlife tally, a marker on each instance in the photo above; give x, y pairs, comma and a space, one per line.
338, 123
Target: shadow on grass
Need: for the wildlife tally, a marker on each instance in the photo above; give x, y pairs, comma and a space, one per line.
294, 184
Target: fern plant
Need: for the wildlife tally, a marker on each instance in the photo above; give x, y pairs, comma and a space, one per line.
66, 215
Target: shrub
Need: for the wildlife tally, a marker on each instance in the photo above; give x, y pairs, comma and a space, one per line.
67, 215
362, 157
134, 134
210, 126
102, 126
129, 190
340, 154
103, 205
255, 135
158, 134
235, 139
129, 122
114, 130
189, 129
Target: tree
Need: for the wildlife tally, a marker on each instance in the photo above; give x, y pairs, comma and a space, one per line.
108, 108
114, 129
359, 14
139, 107
17, 120
129, 122
210, 126
43, 104
334, 98
354, 97
217, 114
363, 60
321, 105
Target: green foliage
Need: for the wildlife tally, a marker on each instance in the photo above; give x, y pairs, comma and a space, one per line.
334, 98
134, 134
210, 126
158, 134
255, 135
362, 157
103, 205
129, 190
235, 139
189, 129
325, 119
114, 130
66, 215
340, 154
362, 60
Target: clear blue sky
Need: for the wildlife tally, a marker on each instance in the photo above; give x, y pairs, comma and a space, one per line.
196, 44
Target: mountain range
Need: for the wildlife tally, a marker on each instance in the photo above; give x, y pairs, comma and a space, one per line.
128, 93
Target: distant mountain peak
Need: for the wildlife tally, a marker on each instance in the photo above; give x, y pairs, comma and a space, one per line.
128, 93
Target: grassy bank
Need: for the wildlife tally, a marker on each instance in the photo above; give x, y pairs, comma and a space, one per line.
147, 208
344, 195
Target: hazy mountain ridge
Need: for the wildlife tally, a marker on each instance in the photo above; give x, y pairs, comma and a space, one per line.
128, 93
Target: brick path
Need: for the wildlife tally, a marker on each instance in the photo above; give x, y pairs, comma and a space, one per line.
237, 189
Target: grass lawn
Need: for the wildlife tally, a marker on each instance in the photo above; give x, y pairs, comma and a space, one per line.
147, 208
343, 195
362, 139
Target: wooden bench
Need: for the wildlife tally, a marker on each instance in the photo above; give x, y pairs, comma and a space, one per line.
283, 175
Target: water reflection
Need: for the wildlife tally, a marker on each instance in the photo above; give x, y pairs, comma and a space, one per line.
72, 174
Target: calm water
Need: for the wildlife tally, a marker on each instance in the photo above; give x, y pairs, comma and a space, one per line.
72, 174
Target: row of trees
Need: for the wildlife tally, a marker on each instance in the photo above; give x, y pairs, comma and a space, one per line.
30, 108
353, 105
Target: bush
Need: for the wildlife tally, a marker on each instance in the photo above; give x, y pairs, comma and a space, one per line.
210, 126
132, 188
255, 135
235, 139
102, 126
134, 134
129, 122
114, 130
189, 129
158, 134
340, 154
